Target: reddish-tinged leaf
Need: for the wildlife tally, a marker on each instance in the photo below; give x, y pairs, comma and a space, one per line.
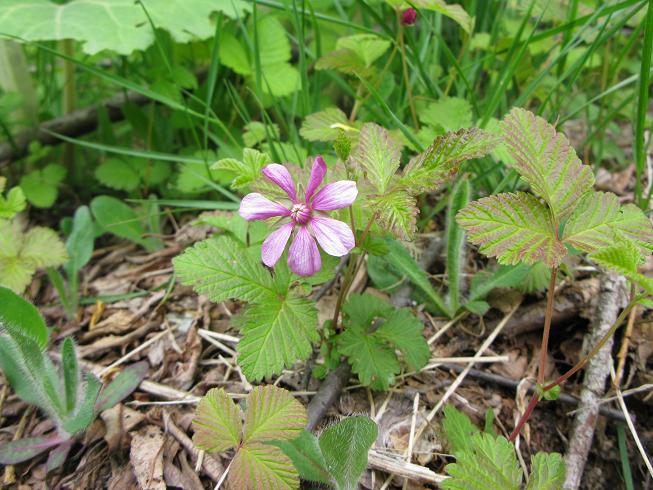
217, 423
272, 413
18, 451
262, 466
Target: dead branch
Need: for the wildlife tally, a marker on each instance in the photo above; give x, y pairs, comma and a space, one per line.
402, 468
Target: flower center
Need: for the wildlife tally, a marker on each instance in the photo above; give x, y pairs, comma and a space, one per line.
300, 213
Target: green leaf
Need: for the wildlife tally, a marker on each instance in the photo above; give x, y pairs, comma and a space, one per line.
117, 218
121, 386
13, 204
84, 413
259, 466
547, 472
345, 447
546, 160
404, 330
454, 11
80, 241
246, 170
505, 276
41, 187
624, 257
599, 220
397, 212
456, 242
377, 155
448, 114
458, 429
513, 228
440, 161
222, 268
490, 463
401, 260
276, 334
279, 78
362, 310
536, 279
368, 47
71, 373
306, 455
233, 54
324, 125
118, 25
217, 423
22, 315
255, 133
117, 174
371, 359
345, 61
272, 414
15, 452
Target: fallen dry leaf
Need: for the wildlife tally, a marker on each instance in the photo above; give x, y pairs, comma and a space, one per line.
146, 456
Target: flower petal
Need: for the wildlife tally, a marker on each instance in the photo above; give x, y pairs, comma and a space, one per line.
335, 237
317, 176
275, 244
254, 206
280, 176
303, 255
335, 196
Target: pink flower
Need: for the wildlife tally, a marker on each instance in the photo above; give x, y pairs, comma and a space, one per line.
307, 215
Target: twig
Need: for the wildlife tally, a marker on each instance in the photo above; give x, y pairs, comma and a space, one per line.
596, 374
327, 394
402, 469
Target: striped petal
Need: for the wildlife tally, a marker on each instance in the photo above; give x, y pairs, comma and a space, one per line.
275, 244
317, 176
335, 237
254, 206
335, 196
280, 176
303, 255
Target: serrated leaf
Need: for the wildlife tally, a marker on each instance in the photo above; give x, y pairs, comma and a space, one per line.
255, 133
490, 463
458, 429
246, 170
536, 279
279, 77
234, 54
546, 160
547, 472
15, 452
447, 113
513, 228
324, 125
121, 386
368, 47
117, 174
258, 466
222, 268
371, 359
41, 187
378, 155
453, 11
442, 159
217, 423
118, 25
345, 61
397, 212
272, 414
345, 446
307, 457
276, 333
599, 220
404, 331
42, 247
362, 309
624, 258
13, 203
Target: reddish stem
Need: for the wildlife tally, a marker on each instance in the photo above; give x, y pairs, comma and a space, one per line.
547, 326
524, 418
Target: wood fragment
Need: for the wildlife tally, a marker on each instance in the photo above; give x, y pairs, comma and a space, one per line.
402, 468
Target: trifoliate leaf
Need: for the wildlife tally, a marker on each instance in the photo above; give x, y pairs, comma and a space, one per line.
598, 220
458, 429
378, 155
13, 204
222, 268
404, 331
117, 174
513, 228
118, 25
624, 258
325, 125
41, 187
345, 446
368, 47
397, 212
490, 462
246, 170
307, 457
217, 423
276, 332
440, 161
371, 359
546, 160
448, 113
272, 414
258, 466
547, 472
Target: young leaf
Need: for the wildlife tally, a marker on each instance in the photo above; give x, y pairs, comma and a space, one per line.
222, 268
378, 155
121, 386
345, 447
448, 114
246, 170
15, 452
397, 212
217, 423
491, 460
458, 429
403, 330
85, 407
13, 204
324, 125
272, 414
117, 218
624, 258
80, 241
258, 466
71, 373
547, 472
513, 228
456, 242
545, 159
41, 187
22, 315
307, 457
117, 174
363, 309
599, 219
368, 47
276, 333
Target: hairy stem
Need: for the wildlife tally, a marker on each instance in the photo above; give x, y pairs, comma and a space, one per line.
547, 326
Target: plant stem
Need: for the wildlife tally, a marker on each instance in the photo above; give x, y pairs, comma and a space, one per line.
524, 418
623, 350
547, 326
404, 64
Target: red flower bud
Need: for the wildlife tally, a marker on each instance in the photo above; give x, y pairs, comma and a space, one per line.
409, 16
